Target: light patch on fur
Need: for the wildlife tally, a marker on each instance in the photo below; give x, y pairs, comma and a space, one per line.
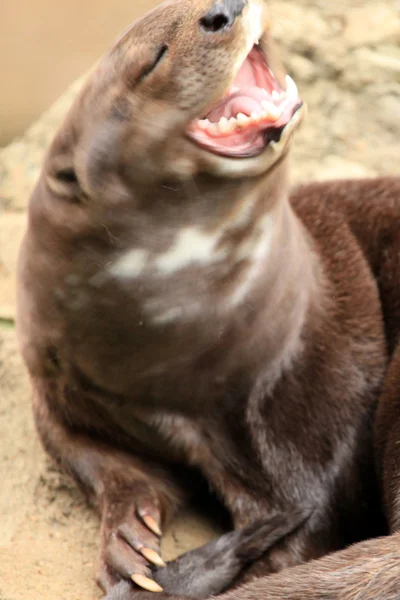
162, 312
240, 216
131, 264
255, 249
169, 316
191, 246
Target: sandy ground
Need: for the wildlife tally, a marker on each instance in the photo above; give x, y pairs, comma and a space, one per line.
347, 65
48, 535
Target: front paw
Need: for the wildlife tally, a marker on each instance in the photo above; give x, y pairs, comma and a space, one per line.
131, 535
211, 569
125, 591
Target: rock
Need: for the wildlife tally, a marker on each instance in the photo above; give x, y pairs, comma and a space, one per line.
302, 69
364, 66
372, 24
335, 167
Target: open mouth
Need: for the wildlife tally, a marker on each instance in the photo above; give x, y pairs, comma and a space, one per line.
252, 114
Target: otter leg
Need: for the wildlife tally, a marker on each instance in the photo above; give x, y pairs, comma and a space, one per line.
211, 569
134, 498
367, 570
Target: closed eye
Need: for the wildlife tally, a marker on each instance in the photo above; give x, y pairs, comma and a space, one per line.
162, 51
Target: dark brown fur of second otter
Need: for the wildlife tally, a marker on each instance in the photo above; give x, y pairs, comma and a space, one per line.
181, 309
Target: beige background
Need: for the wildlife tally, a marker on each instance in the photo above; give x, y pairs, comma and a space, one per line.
46, 44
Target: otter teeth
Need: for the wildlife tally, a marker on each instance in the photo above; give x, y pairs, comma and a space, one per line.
291, 89
226, 126
242, 119
269, 111
204, 123
276, 96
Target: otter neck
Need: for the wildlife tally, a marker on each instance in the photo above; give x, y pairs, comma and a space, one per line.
250, 278
208, 293
277, 295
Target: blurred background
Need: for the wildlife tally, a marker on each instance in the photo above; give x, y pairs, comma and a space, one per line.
46, 44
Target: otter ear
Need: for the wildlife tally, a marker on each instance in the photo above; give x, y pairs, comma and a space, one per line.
61, 176
88, 169
103, 158
64, 183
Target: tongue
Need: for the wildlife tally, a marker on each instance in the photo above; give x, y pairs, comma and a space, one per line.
244, 101
253, 83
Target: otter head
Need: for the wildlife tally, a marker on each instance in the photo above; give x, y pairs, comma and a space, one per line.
191, 88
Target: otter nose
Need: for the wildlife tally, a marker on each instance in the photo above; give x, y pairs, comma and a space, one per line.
222, 16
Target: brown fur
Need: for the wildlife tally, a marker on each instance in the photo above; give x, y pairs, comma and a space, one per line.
267, 380
365, 571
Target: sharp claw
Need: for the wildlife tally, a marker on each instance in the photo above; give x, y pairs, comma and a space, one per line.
102, 584
152, 525
153, 557
146, 583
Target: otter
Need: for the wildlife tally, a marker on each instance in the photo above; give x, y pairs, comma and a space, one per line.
182, 312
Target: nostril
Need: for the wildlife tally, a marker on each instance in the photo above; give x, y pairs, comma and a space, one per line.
223, 15
214, 23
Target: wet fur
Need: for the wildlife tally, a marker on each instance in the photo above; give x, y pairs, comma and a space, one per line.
272, 375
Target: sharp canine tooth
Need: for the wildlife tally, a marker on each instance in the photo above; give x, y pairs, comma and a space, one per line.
291, 89
255, 116
276, 96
